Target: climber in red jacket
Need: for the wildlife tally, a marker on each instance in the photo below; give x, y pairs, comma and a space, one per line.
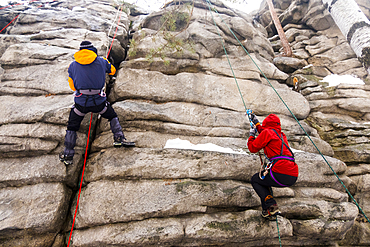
282, 172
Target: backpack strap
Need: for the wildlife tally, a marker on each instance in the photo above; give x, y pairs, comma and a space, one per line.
281, 156
265, 169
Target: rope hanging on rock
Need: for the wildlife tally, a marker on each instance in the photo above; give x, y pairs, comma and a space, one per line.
118, 10
241, 95
227, 56
115, 33
87, 148
277, 226
9, 23
15, 18
81, 182
344, 186
114, 21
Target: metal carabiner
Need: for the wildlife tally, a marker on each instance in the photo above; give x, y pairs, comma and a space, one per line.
264, 170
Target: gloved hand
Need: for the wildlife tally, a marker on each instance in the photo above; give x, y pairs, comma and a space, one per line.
254, 119
112, 79
252, 132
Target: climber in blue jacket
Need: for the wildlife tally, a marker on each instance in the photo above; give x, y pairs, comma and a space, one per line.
87, 79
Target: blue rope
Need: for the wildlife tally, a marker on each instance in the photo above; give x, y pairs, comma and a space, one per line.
227, 56
345, 187
277, 225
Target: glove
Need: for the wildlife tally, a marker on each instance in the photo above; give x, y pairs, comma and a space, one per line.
112, 79
253, 132
254, 119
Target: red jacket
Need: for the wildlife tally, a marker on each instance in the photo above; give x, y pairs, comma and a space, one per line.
271, 144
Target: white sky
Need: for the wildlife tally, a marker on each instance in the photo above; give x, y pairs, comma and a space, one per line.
156, 4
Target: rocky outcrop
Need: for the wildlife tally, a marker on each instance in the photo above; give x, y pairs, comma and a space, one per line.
35, 189
151, 195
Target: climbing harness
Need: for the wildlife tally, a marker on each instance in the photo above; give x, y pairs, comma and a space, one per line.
81, 114
90, 93
265, 169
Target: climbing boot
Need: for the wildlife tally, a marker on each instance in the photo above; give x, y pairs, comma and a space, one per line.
119, 137
66, 159
69, 142
120, 141
271, 212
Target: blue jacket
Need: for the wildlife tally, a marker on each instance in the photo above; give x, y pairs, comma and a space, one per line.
88, 72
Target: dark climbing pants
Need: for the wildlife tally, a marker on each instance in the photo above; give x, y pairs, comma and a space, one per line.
77, 115
263, 187
74, 121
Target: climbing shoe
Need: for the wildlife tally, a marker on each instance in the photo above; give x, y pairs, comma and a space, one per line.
66, 159
271, 212
122, 142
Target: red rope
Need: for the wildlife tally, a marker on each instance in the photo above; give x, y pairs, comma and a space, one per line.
115, 33
87, 145
82, 179
10, 23
88, 136
19, 14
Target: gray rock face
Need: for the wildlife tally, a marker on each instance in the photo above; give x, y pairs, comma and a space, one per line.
213, 228
196, 123
151, 195
35, 52
32, 54
86, 15
170, 164
45, 211
150, 199
19, 172
200, 89
358, 235
289, 64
